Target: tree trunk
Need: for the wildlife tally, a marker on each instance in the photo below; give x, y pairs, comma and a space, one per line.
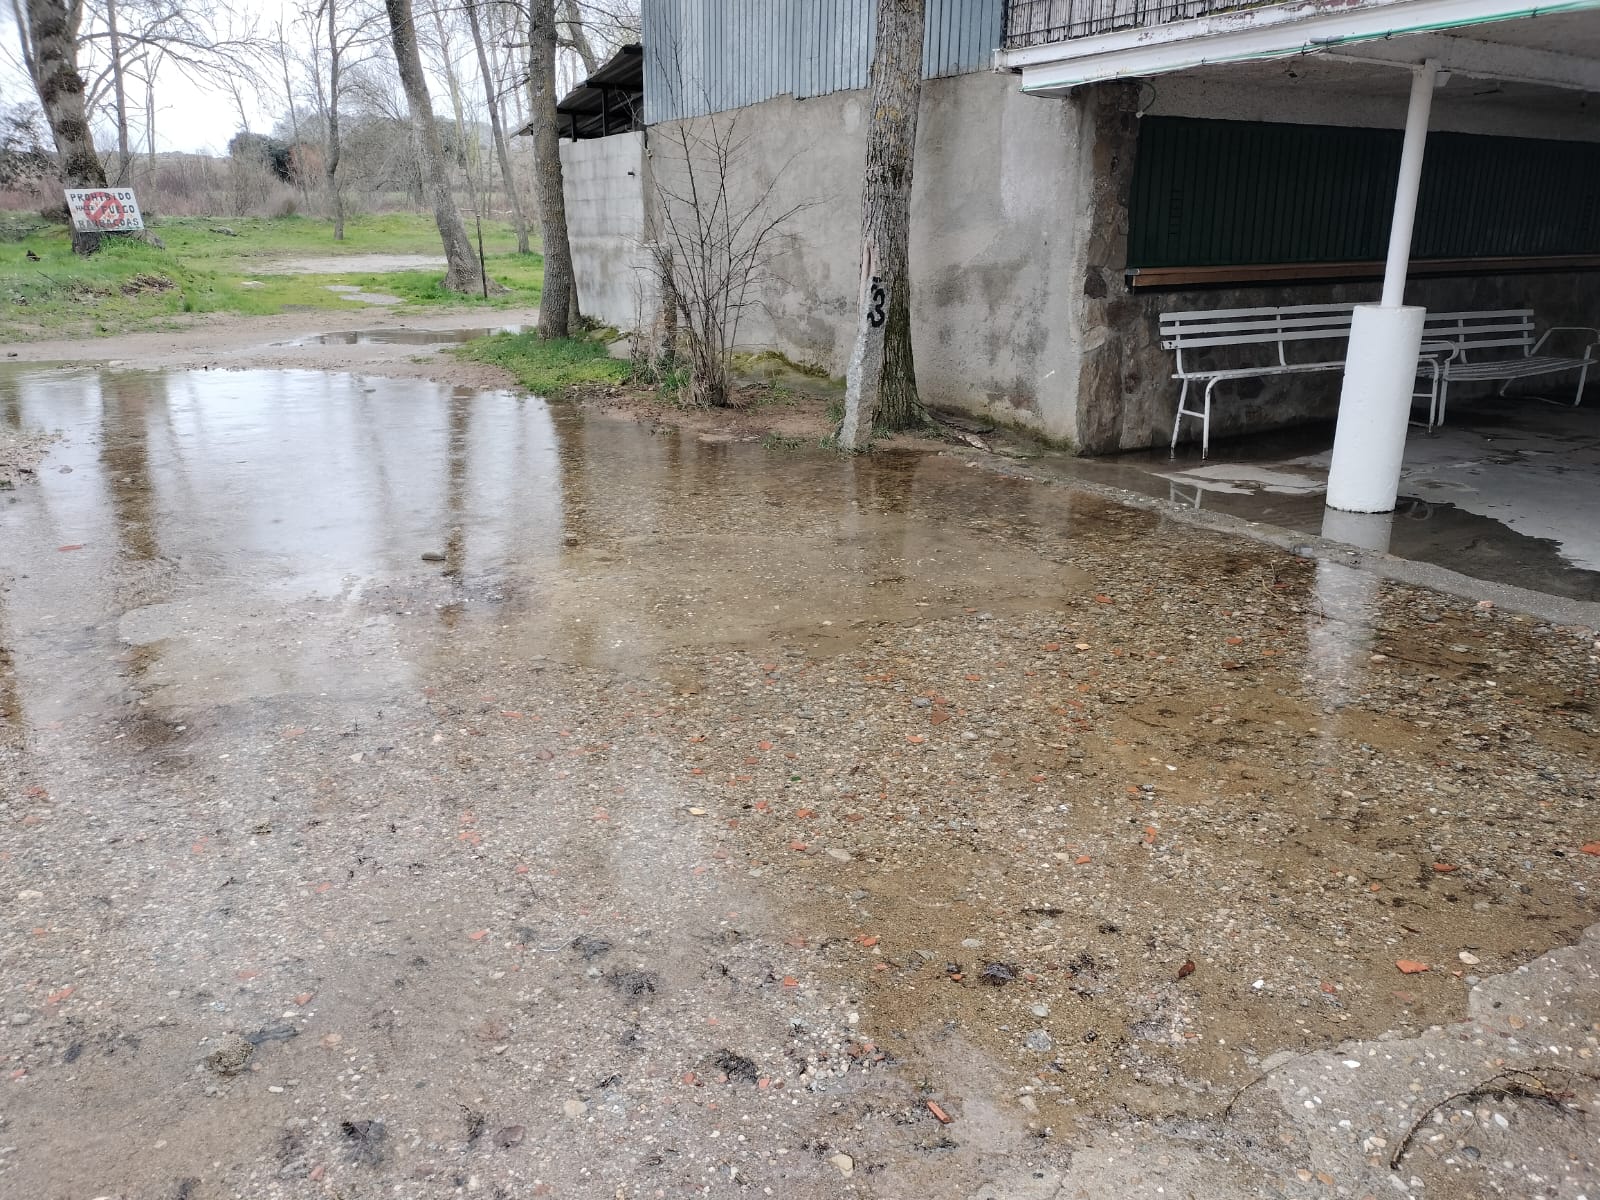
330, 166
296, 153
558, 295
572, 17
495, 127
881, 383
53, 34
120, 91
461, 274
150, 64
467, 148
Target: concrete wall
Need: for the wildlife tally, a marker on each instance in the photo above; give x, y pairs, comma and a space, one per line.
993, 240
604, 184
1021, 310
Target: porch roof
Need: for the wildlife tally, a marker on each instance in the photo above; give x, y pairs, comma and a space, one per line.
1551, 45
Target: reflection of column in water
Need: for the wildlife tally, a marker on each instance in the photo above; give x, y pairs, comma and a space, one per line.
1347, 600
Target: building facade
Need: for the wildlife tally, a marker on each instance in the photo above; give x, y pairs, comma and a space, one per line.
1083, 165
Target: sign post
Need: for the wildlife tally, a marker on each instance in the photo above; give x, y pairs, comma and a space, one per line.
104, 210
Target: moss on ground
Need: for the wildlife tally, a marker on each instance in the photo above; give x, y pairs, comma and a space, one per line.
548, 368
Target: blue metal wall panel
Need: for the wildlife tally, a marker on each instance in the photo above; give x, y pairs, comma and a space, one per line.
704, 56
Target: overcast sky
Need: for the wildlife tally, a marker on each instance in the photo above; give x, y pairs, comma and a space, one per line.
192, 114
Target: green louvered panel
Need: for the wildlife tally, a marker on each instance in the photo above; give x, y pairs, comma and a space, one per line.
1235, 193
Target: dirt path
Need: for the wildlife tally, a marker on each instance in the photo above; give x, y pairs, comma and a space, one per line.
349, 264
219, 341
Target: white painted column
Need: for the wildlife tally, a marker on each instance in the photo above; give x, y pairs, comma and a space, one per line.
1405, 191
1369, 442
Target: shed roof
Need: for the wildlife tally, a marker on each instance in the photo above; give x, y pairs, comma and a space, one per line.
609, 101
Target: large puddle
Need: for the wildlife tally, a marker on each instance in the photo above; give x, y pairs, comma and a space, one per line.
1504, 493
401, 337
410, 790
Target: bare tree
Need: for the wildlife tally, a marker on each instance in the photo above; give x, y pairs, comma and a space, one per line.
496, 128
881, 382
124, 156
330, 156
715, 247
49, 32
461, 273
118, 39
559, 294
296, 150
577, 36
353, 31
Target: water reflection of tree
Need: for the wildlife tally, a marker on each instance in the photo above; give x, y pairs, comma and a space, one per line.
10, 694
458, 450
127, 403
130, 404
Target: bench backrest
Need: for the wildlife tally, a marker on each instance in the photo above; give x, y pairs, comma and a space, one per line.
1486, 330
1277, 327
1457, 332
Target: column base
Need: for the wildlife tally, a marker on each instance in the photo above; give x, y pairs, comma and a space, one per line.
1375, 404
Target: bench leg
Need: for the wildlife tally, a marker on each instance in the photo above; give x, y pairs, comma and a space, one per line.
1583, 378
1205, 423
1429, 373
1183, 395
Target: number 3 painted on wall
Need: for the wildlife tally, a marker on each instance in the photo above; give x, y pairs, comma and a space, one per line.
875, 314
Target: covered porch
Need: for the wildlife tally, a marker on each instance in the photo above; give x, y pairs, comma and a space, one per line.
1404, 156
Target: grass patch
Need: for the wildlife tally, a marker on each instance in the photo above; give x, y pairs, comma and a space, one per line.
132, 285
548, 368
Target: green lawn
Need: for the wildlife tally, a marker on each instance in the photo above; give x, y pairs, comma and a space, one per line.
131, 285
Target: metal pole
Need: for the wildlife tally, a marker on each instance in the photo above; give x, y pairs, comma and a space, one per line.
483, 266
1405, 192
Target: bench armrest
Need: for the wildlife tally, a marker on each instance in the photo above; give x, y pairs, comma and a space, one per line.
1594, 337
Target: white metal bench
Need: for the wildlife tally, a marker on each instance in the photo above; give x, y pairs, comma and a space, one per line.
1451, 347
1456, 342
1268, 332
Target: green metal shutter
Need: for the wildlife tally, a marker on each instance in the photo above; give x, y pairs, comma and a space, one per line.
1238, 193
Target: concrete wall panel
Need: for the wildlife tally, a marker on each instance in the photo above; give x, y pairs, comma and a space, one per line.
604, 184
992, 245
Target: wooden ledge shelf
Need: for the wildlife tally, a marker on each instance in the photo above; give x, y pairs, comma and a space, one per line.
1144, 278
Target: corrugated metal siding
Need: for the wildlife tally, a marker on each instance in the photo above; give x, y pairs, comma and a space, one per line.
705, 56
1232, 193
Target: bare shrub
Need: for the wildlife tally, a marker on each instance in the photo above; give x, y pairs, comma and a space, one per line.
716, 243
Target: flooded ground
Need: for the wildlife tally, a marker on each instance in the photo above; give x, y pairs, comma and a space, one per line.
1507, 491
400, 336
418, 791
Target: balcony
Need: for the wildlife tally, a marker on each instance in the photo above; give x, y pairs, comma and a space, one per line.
1041, 22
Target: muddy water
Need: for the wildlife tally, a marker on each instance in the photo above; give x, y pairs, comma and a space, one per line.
401, 337
693, 813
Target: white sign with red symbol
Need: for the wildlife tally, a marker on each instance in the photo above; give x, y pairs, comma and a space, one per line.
104, 210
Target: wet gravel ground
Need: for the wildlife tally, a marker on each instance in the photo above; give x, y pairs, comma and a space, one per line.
699, 819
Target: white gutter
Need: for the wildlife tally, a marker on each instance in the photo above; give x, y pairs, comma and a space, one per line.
1275, 31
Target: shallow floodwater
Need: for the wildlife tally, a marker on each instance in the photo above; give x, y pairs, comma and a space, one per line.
413, 791
402, 337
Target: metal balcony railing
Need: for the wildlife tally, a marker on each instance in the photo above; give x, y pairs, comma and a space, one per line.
1040, 22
